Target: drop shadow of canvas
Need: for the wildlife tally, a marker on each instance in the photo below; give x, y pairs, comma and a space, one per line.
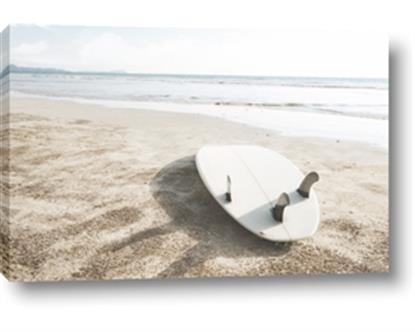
181, 193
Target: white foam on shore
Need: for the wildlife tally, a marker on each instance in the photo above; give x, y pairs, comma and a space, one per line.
292, 122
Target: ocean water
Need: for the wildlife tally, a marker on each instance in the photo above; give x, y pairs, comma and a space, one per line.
340, 108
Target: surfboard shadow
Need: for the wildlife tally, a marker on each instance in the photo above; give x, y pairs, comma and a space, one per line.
181, 193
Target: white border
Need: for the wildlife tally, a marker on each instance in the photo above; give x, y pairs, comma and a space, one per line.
341, 303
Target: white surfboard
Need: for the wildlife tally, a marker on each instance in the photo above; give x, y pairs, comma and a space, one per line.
259, 188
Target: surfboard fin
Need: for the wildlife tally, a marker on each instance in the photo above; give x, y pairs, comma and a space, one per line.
278, 210
228, 195
308, 181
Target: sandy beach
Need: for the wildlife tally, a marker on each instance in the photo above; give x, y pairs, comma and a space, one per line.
106, 193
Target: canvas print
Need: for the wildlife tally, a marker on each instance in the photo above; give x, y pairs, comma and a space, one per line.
141, 153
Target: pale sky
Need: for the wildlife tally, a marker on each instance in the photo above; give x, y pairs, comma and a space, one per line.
201, 51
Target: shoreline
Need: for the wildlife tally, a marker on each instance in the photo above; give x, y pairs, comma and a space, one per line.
368, 127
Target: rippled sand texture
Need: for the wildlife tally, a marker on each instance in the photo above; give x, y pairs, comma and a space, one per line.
122, 199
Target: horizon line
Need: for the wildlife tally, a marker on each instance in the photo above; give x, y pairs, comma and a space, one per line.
124, 72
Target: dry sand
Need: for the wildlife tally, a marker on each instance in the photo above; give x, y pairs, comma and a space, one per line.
101, 193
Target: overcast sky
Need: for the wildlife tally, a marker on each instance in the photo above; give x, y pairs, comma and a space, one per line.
201, 51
